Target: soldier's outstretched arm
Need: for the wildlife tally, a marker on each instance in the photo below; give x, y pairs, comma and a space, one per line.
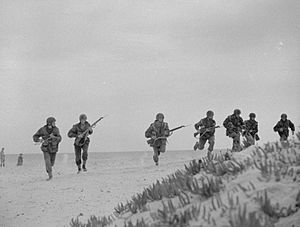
198, 125
148, 132
225, 122
256, 128
72, 132
276, 127
292, 126
37, 135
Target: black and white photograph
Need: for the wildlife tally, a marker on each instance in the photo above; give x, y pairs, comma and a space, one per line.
150, 113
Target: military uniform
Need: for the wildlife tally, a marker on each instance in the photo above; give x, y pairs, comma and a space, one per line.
251, 128
234, 125
158, 129
49, 146
206, 134
74, 132
282, 127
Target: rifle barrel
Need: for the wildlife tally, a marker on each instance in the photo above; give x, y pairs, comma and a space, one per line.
174, 129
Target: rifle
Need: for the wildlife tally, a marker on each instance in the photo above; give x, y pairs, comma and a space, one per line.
45, 142
81, 138
206, 130
152, 141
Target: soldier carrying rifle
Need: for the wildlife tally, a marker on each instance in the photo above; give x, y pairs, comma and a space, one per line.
206, 130
251, 129
282, 127
158, 132
49, 137
234, 125
80, 132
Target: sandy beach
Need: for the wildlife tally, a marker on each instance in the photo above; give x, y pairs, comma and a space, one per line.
27, 199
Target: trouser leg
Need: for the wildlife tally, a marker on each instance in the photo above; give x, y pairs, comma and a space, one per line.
250, 139
236, 146
162, 148
211, 142
283, 137
284, 140
48, 163
52, 158
156, 154
85, 148
77, 155
202, 143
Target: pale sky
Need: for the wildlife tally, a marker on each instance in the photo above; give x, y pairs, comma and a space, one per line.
132, 59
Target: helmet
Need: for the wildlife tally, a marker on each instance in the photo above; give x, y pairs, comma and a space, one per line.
82, 117
159, 115
209, 113
237, 111
283, 116
50, 120
252, 115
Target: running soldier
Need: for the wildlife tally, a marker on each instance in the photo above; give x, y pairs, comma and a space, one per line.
251, 129
206, 128
50, 138
234, 125
158, 131
80, 132
282, 127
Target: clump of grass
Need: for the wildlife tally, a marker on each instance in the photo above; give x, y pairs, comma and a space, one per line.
244, 219
193, 168
210, 186
220, 166
93, 221
137, 224
169, 216
274, 162
121, 208
272, 211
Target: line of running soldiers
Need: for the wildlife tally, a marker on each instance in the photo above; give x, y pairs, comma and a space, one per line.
234, 124
159, 131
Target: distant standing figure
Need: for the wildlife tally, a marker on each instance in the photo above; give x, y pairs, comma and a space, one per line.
234, 125
158, 131
206, 132
20, 160
77, 132
50, 138
251, 129
2, 157
282, 127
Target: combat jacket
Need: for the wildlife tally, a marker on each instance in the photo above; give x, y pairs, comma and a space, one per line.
285, 125
78, 129
50, 144
204, 125
158, 129
234, 124
251, 126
